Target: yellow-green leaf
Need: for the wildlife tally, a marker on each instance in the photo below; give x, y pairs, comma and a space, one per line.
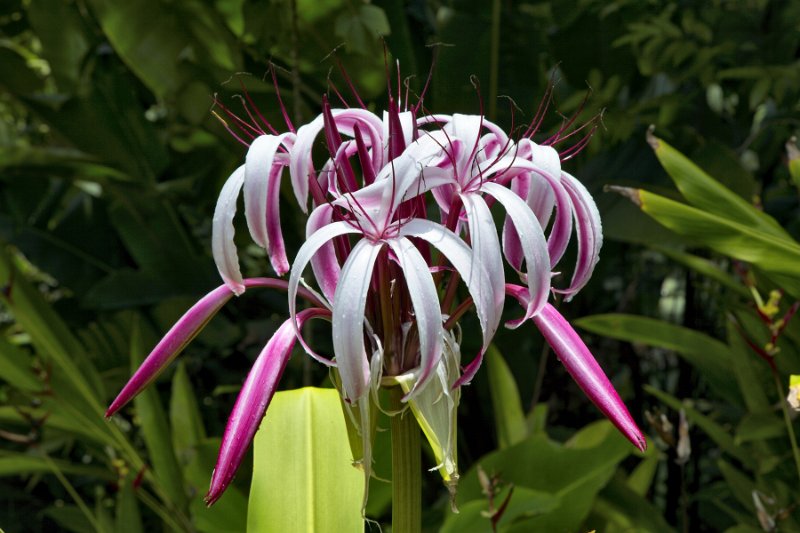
708, 194
303, 477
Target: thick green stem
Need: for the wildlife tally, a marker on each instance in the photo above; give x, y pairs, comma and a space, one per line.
406, 469
788, 420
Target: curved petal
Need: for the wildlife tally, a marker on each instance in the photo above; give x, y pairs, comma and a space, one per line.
348, 318
345, 119
262, 194
324, 263
533, 243
222, 246
168, 348
427, 310
313, 243
590, 235
488, 304
483, 239
560, 233
252, 402
583, 368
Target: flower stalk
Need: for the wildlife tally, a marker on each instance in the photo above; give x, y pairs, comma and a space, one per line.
406, 468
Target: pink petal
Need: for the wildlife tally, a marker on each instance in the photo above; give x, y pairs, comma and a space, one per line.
262, 194
324, 263
252, 402
168, 348
583, 368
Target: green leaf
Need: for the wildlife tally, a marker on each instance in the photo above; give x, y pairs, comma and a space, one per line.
157, 40
705, 267
51, 337
574, 472
710, 356
184, 415
15, 76
303, 479
229, 513
741, 485
508, 415
155, 428
128, 519
641, 479
18, 464
628, 511
751, 373
524, 503
59, 27
778, 257
718, 434
759, 426
71, 518
708, 194
16, 368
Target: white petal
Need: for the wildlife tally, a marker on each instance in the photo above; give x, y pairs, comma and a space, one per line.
222, 246
258, 170
590, 234
488, 304
483, 239
313, 243
533, 242
425, 301
348, 318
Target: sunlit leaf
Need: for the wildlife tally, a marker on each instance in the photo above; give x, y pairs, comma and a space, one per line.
303, 479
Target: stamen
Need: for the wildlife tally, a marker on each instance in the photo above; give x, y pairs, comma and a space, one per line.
230, 131
349, 82
541, 111
258, 111
284, 111
241, 124
363, 156
569, 122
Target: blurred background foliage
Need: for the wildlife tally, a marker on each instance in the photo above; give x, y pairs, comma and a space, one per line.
111, 159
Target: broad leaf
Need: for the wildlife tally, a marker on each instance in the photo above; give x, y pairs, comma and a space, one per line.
509, 418
303, 477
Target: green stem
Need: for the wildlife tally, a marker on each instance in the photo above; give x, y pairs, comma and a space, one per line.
406, 469
494, 60
788, 420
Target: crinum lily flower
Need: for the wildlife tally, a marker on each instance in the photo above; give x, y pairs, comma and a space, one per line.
399, 215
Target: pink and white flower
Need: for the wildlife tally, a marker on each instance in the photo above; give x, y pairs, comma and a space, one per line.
399, 215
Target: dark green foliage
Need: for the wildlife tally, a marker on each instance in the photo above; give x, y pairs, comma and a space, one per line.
111, 161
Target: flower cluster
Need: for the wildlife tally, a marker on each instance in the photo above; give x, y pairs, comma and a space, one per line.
399, 218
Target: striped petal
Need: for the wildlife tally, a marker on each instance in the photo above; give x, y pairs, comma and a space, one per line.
262, 194
590, 235
222, 246
313, 243
348, 318
488, 304
427, 310
324, 263
533, 243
